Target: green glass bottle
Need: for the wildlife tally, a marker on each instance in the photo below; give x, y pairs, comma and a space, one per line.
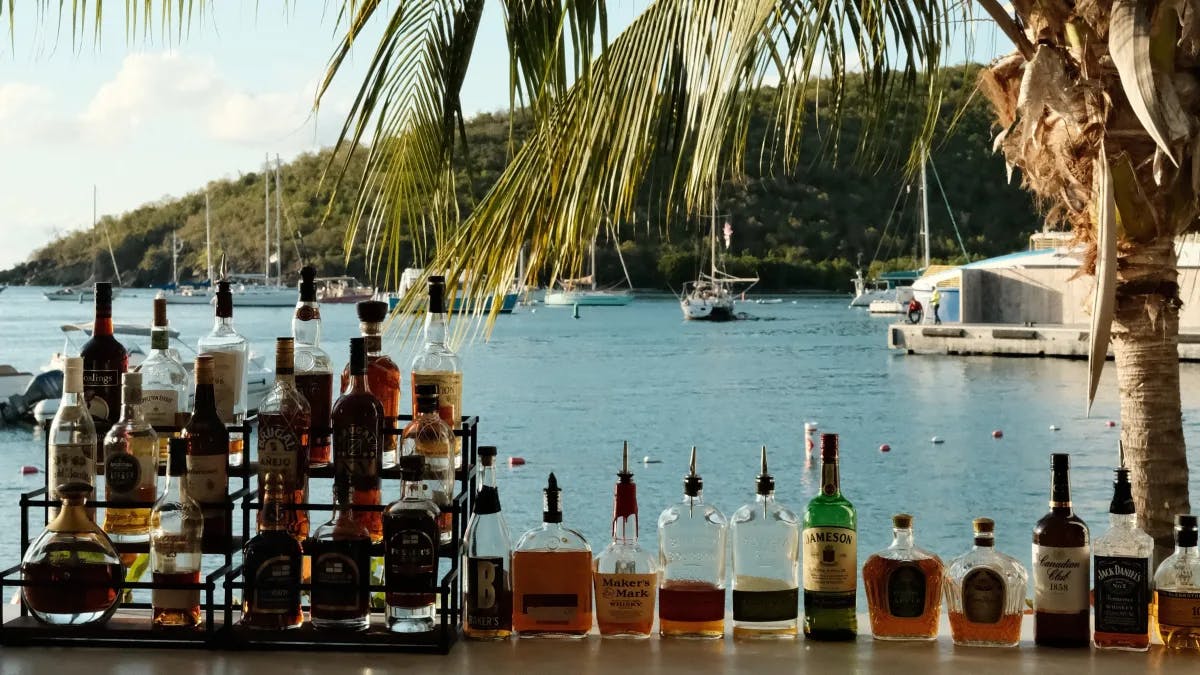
830, 556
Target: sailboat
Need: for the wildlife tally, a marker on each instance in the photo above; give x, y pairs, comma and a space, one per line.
85, 291
585, 293
709, 297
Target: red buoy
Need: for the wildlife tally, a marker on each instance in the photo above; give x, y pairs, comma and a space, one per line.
1110, 424
885, 448
997, 434
28, 469
516, 461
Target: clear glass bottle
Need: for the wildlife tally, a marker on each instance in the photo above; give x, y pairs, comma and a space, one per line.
1062, 557
272, 565
410, 539
1122, 574
430, 437
904, 587
691, 555
438, 364
625, 575
230, 352
130, 467
341, 569
165, 382
985, 593
176, 527
552, 576
766, 564
284, 421
74, 571
383, 375
314, 372
72, 437
830, 555
487, 559
1177, 590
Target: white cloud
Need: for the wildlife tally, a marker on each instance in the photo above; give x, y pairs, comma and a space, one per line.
26, 111
148, 86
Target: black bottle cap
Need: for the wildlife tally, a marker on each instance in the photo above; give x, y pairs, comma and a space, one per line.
1185, 530
358, 356
75, 490
692, 482
103, 291
308, 287
765, 484
437, 294
1060, 461
1122, 501
177, 457
412, 467
427, 397
487, 454
224, 300
552, 502
1060, 480
372, 311
829, 447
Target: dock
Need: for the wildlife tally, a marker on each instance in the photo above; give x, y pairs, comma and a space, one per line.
992, 339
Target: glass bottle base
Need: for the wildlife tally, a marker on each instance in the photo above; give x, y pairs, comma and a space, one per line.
774, 631
487, 635
550, 635
410, 620
625, 634
354, 625
692, 630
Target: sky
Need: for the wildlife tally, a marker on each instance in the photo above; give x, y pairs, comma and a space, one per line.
143, 120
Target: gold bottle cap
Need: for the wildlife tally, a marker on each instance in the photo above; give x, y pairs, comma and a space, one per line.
73, 375
285, 355
902, 521
131, 388
204, 369
160, 312
984, 525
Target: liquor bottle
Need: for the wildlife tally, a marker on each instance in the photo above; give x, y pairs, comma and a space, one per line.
487, 558
130, 467
985, 593
1177, 590
691, 555
766, 550
72, 436
830, 555
229, 351
164, 382
383, 375
1122, 575
1061, 558
357, 429
283, 426
176, 525
904, 587
341, 569
410, 533
272, 565
625, 575
314, 374
438, 364
208, 459
104, 361
552, 576
430, 437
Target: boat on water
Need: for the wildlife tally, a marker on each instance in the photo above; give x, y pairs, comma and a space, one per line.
76, 294
342, 290
584, 292
413, 275
710, 297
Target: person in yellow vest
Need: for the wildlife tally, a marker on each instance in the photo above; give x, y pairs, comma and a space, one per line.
936, 300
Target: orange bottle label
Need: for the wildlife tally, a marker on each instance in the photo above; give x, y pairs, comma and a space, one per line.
625, 598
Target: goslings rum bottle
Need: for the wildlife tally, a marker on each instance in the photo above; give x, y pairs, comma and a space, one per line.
625, 575
104, 361
1062, 557
830, 555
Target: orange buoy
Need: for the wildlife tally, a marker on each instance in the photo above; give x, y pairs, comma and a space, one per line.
29, 469
885, 448
516, 461
997, 434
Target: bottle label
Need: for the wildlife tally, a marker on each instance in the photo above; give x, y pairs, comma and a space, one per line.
1179, 608
411, 561
160, 407
279, 448
317, 389
629, 598
763, 606
338, 582
830, 560
72, 463
1060, 578
906, 591
984, 594
229, 373
102, 392
277, 586
122, 474
207, 478
449, 397
1122, 594
174, 599
356, 454
489, 597
551, 608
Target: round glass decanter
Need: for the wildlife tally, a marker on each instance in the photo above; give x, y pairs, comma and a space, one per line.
77, 572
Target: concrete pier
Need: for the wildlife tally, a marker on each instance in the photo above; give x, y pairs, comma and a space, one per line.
993, 339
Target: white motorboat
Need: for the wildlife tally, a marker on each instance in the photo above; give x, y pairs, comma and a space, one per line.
710, 297
584, 292
76, 294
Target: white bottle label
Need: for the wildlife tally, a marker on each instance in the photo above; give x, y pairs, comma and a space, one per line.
159, 407
830, 560
229, 371
72, 463
1061, 577
207, 478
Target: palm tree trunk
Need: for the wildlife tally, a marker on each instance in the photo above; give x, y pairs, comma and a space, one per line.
1145, 342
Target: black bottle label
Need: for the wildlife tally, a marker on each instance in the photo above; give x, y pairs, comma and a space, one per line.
906, 591
764, 606
122, 473
411, 560
983, 596
489, 597
340, 576
1122, 595
276, 585
356, 455
102, 392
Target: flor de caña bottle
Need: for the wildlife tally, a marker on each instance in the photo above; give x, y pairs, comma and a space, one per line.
1061, 567
314, 374
283, 425
357, 441
691, 552
766, 548
1121, 575
487, 559
830, 555
552, 576
625, 574
904, 587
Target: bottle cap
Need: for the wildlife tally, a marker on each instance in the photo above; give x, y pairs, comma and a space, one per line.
487, 455
75, 490
308, 286
224, 300
1122, 501
177, 456
903, 521
552, 501
829, 447
1060, 461
131, 388
1185, 530
285, 355
358, 356
160, 312
73, 375
427, 397
765, 483
692, 482
372, 311
103, 291
203, 369
625, 492
984, 525
412, 467
437, 294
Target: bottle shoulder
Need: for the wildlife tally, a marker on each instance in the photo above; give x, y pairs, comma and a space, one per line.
834, 511
357, 404
909, 554
272, 543
551, 538
1061, 530
436, 359
101, 347
1121, 541
412, 507
1001, 563
685, 512
758, 513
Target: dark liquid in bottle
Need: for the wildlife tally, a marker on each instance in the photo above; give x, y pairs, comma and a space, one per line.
410, 558
691, 601
341, 575
317, 389
272, 571
72, 589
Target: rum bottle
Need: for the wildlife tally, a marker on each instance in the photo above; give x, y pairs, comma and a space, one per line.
208, 460
283, 426
104, 361
314, 374
430, 437
410, 539
1177, 590
176, 526
130, 467
552, 576
830, 555
1061, 560
1122, 575
625, 575
766, 564
383, 375
691, 557
438, 364
487, 559
341, 569
272, 565
357, 430
72, 436
229, 352
164, 382
985, 593
904, 587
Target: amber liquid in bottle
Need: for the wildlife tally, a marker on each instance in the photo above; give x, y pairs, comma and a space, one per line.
357, 442
317, 389
1007, 629
78, 589
555, 586
104, 361
687, 607
172, 617
876, 574
208, 460
383, 375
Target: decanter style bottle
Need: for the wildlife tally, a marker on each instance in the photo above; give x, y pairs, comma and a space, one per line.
1122, 574
430, 437
1062, 556
383, 375
625, 575
176, 525
487, 559
691, 555
104, 361
208, 459
284, 421
165, 382
341, 569
357, 430
904, 587
314, 373
272, 565
74, 571
130, 467
410, 539
985, 593
766, 565
830, 555
229, 352
72, 436
552, 576
438, 364
1177, 590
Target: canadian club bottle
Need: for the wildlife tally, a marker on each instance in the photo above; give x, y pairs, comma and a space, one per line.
283, 426
487, 594
1061, 558
830, 553
104, 361
314, 374
208, 460
272, 565
357, 441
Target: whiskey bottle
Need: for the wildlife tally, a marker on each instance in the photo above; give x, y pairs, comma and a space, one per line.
341, 569
830, 555
1177, 590
625, 574
552, 576
208, 460
429, 436
272, 565
72, 437
1061, 560
165, 382
1122, 574
410, 534
357, 430
314, 373
176, 525
283, 426
487, 559
130, 467
766, 550
691, 557
229, 352
438, 364
985, 593
104, 361
383, 375
904, 587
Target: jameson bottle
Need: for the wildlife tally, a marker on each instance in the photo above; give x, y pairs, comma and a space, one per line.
1122, 575
164, 382
314, 374
438, 364
1061, 558
357, 441
830, 555
487, 593
208, 460
104, 361
383, 375
229, 352
283, 426
625, 575
766, 545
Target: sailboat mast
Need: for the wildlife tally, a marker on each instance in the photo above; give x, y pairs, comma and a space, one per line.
267, 219
712, 236
107, 240
174, 261
208, 240
924, 208
592, 271
278, 226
